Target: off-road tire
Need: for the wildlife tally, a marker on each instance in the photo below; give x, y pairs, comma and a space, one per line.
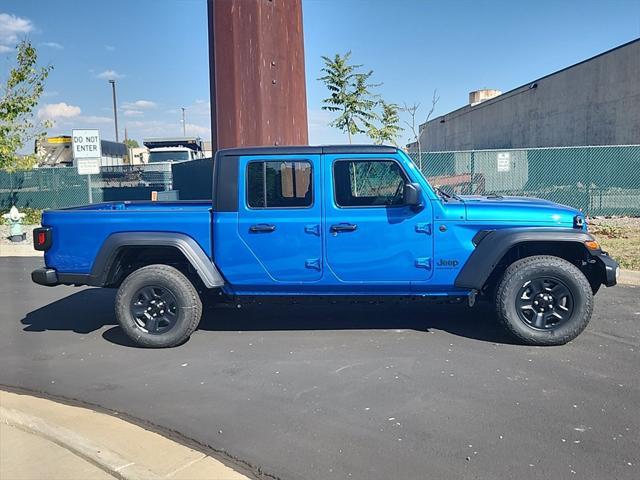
187, 301
535, 267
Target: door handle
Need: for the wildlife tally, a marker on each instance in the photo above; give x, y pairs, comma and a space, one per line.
343, 227
262, 228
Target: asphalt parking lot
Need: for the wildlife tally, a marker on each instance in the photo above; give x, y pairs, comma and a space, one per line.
390, 391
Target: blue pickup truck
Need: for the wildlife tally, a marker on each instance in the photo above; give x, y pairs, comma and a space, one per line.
331, 221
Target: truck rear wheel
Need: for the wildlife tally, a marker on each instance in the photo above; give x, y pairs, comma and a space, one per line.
544, 300
157, 306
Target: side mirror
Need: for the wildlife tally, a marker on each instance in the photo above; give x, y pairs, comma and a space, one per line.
412, 195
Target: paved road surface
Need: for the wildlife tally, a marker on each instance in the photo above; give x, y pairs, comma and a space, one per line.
351, 391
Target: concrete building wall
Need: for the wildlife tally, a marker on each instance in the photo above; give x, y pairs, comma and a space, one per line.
595, 102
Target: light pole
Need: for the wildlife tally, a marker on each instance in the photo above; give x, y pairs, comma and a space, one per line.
115, 108
184, 124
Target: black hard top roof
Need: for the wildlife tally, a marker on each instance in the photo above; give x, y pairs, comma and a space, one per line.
306, 150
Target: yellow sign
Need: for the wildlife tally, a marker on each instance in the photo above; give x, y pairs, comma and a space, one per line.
61, 139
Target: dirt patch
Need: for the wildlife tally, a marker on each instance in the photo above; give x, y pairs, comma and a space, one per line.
620, 237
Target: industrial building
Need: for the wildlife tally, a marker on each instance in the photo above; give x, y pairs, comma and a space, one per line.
57, 152
594, 102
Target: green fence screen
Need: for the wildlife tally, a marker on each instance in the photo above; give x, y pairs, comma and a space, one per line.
596, 180
62, 187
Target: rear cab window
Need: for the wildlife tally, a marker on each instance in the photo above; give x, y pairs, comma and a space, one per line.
279, 184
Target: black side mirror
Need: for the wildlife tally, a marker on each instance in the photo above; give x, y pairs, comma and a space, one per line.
412, 195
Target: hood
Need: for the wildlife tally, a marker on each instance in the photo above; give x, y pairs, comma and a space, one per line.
518, 209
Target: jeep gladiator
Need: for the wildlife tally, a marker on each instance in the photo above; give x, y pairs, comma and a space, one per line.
332, 221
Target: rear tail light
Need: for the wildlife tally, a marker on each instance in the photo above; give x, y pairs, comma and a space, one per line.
42, 238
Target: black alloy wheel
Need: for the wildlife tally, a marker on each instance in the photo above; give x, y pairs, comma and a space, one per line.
544, 303
154, 309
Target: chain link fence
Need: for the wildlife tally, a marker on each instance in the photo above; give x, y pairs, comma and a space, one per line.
62, 186
596, 180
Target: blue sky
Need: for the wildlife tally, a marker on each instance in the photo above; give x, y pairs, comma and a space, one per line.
157, 50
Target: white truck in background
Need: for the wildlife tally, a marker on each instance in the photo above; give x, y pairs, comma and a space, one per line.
174, 149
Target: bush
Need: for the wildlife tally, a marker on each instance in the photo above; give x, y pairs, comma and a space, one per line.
33, 216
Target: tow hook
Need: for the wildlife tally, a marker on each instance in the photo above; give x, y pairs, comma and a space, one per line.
472, 297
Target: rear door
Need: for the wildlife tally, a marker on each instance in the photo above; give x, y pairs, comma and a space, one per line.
279, 215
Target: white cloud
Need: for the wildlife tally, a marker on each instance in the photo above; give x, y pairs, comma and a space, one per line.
55, 45
94, 119
139, 104
199, 130
11, 29
133, 113
53, 111
109, 75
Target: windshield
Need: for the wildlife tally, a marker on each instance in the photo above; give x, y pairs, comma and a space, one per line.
168, 156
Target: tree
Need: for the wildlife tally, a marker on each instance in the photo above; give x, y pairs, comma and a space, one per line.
390, 125
18, 99
131, 143
412, 110
350, 95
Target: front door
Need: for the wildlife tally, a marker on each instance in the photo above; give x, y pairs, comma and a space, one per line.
371, 236
279, 219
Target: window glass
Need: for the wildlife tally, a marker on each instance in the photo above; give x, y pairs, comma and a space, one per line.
279, 184
368, 183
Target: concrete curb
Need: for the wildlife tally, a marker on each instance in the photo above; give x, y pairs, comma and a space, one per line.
629, 277
22, 250
121, 449
104, 459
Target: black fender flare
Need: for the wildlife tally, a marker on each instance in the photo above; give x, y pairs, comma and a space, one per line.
192, 251
491, 246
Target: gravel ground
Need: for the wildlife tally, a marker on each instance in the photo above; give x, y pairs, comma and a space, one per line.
4, 235
623, 222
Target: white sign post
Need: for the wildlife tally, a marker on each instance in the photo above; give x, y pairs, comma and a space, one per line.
504, 161
87, 154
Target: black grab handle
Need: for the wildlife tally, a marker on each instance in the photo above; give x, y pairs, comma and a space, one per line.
262, 228
343, 227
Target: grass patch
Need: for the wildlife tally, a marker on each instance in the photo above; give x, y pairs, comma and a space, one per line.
621, 241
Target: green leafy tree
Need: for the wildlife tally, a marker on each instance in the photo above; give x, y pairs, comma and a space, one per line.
131, 143
390, 128
350, 95
18, 99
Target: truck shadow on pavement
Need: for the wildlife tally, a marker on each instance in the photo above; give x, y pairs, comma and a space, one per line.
92, 309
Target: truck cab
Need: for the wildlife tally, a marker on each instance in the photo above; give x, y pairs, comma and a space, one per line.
338, 221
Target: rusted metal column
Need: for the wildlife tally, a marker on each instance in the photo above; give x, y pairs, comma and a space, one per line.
256, 52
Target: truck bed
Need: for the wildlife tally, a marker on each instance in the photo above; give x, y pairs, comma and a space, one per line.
79, 232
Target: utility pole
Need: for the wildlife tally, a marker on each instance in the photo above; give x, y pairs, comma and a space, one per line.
184, 124
115, 108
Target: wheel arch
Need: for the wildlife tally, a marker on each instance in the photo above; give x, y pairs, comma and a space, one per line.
118, 250
496, 249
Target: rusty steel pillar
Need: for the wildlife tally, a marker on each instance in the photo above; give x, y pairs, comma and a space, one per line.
256, 66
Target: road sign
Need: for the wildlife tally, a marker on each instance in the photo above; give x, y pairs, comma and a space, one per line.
504, 161
88, 166
86, 144
87, 154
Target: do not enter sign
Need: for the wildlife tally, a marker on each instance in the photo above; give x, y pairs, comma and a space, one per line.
86, 144
86, 151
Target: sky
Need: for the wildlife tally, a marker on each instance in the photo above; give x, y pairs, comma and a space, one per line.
157, 51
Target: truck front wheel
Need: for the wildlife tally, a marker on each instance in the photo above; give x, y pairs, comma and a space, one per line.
157, 306
544, 300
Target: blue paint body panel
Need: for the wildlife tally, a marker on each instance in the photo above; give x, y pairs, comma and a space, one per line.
398, 250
